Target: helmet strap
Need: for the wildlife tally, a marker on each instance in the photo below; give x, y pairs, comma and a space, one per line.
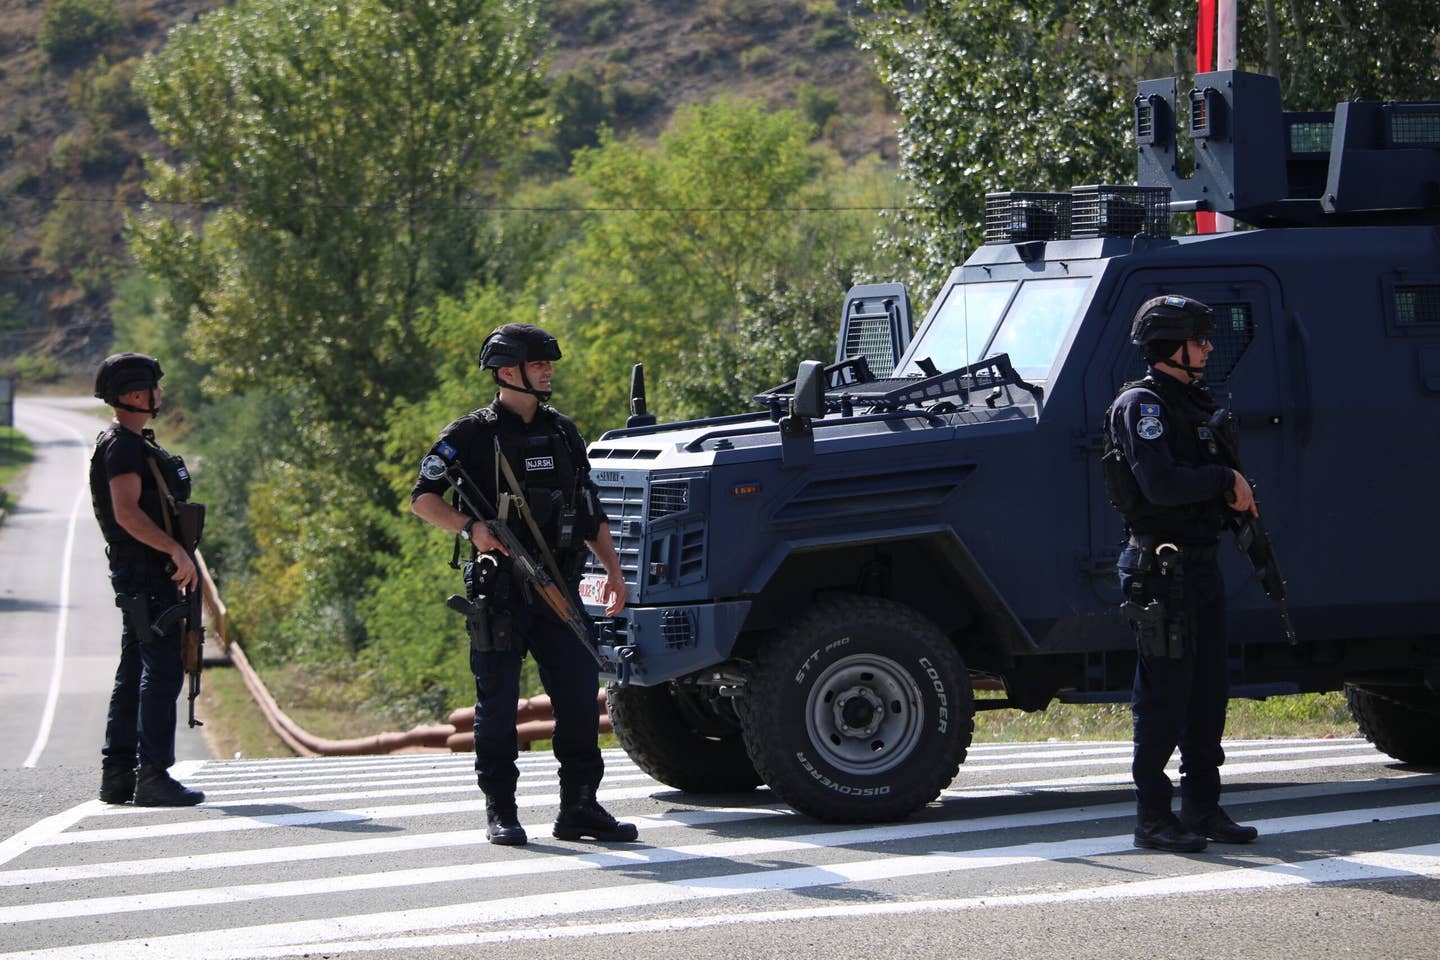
150, 411
542, 395
1195, 372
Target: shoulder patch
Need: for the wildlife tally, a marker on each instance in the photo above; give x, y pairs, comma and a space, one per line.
1149, 409
1149, 428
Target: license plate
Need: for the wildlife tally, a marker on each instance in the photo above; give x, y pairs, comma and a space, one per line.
592, 588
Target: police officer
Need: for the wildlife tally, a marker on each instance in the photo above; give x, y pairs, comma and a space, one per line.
130, 478
1165, 473
546, 457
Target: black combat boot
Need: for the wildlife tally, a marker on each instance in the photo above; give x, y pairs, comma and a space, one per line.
502, 822
582, 816
156, 788
117, 782
1162, 830
1217, 825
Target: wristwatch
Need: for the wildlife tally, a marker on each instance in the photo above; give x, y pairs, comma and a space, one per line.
465, 530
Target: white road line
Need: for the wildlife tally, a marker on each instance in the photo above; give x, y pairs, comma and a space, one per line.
62, 621
1410, 861
335, 849
722, 850
386, 813
308, 818
686, 818
242, 942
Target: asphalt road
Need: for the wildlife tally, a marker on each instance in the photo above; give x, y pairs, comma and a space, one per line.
1028, 854
59, 627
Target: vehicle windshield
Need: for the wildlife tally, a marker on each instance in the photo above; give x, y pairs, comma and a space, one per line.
969, 326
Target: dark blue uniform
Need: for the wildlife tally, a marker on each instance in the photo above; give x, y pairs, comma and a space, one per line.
1160, 425
548, 458
141, 722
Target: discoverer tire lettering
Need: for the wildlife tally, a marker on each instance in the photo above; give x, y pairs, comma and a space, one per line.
859, 710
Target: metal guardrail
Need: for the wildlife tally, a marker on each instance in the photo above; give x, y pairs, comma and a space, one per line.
534, 717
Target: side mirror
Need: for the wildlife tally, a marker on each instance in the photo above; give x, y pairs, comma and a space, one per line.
808, 402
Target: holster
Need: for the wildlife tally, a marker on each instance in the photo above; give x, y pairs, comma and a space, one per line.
136, 609
486, 607
1155, 601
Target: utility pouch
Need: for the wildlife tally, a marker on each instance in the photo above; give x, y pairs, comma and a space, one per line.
136, 609
486, 607
566, 540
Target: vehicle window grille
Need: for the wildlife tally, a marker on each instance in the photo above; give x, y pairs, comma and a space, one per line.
677, 629
1416, 305
1234, 330
1413, 124
667, 497
619, 453
868, 336
1311, 136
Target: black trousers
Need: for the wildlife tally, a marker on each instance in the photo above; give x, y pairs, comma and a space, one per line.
140, 726
1181, 702
571, 678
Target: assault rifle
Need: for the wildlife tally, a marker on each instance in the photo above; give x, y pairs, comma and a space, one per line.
442, 463
1250, 534
189, 524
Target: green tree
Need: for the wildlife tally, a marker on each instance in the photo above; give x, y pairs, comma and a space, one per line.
341, 144
70, 27
1000, 94
1325, 51
679, 228
1034, 94
342, 141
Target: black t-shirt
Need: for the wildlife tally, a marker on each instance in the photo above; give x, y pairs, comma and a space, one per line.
119, 451
548, 458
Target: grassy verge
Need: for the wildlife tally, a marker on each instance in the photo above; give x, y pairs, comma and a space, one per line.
1304, 715
325, 706
15, 455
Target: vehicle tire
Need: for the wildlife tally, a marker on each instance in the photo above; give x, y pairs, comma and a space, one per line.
858, 711
679, 739
1400, 721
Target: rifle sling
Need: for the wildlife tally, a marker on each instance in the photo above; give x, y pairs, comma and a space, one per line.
524, 509
165, 492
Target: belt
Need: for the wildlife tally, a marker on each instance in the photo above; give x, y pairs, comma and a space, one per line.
1194, 553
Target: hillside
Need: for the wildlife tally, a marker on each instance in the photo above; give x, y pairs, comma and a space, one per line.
72, 131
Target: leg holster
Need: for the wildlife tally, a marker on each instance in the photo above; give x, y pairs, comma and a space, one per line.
487, 607
136, 608
1155, 600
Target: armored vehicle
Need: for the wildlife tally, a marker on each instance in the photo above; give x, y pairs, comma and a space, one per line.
817, 588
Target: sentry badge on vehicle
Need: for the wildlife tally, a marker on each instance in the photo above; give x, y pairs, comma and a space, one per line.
1149, 428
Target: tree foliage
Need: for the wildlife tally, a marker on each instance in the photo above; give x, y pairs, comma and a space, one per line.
1034, 94
342, 140
731, 194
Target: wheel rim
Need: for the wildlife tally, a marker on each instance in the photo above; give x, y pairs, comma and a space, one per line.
864, 714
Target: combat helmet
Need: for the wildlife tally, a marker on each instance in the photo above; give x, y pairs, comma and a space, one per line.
1164, 324
514, 345
122, 373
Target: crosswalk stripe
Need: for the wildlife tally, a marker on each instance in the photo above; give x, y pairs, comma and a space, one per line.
242, 941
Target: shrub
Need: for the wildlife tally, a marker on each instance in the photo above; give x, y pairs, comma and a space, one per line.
106, 94
70, 27
817, 105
